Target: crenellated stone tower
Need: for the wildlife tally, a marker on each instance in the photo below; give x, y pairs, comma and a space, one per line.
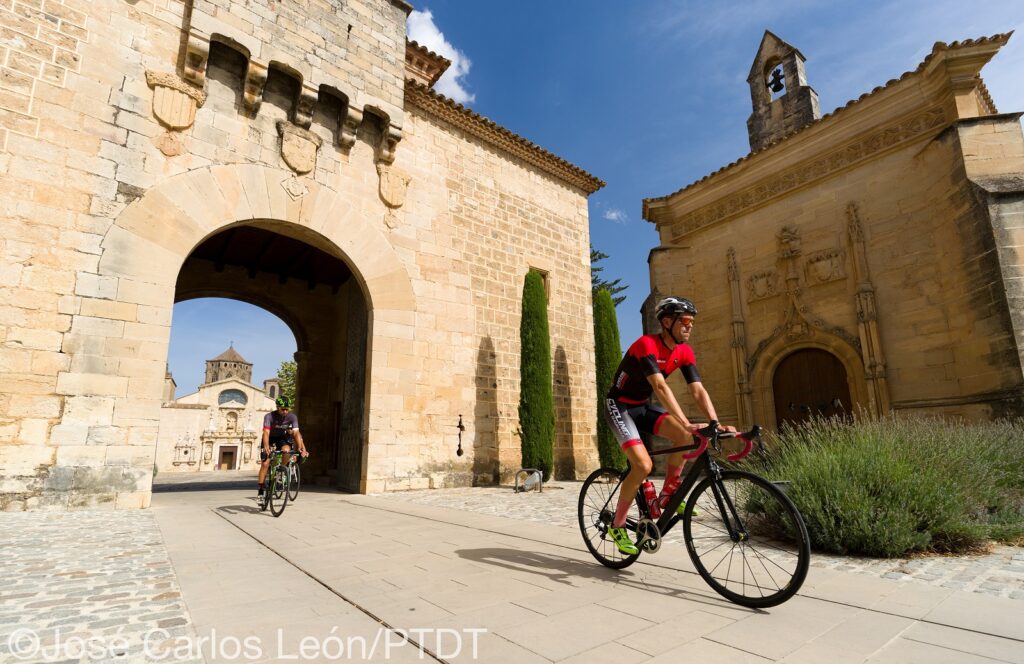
778, 71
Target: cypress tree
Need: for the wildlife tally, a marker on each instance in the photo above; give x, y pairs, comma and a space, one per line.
536, 403
607, 351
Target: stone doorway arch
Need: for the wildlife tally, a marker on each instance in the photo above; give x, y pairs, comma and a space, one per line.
118, 366
769, 358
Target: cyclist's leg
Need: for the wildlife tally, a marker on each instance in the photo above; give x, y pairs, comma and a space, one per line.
669, 427
621, 423
264, 467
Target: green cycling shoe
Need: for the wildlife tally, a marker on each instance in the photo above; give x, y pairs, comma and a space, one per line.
621, 539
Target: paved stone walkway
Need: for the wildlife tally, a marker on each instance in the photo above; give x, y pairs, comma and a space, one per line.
999, 573
91, 579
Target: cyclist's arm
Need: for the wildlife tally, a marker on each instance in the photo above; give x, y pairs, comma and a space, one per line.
703, 399
266, 439
667, 399
299, 441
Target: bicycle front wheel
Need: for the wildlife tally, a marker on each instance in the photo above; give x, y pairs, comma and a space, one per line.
293, 482
598, 499
749, 542
279, 491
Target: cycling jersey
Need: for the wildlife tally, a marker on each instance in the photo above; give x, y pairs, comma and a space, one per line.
647, 356
281, 427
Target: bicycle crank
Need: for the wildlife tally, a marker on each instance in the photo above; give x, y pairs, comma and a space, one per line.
648, 537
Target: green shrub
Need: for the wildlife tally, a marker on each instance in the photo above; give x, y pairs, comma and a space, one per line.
898, 485
608, 352
536, 402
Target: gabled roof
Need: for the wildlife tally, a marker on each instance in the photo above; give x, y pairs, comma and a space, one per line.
938, 49
230, 355
768, 40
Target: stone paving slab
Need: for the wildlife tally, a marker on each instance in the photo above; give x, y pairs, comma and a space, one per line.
361, 567
999, 573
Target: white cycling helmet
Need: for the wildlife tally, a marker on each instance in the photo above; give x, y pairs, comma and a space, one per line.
674, 306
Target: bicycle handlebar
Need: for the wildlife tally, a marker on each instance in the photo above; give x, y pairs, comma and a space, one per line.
711, 435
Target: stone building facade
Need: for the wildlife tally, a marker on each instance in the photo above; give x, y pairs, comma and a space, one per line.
217, 427
290, 155
867, 259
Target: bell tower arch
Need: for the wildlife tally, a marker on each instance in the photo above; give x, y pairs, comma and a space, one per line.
782, 100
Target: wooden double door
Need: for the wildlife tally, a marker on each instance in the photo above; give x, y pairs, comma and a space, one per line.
810, 382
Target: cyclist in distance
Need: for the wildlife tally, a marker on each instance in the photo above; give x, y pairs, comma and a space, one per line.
280, 429
628, 411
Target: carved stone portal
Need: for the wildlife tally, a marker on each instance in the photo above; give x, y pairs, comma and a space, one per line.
174, 101
394, 182
298, 147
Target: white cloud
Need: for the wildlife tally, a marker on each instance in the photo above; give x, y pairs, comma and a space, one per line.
452, 84
616, 215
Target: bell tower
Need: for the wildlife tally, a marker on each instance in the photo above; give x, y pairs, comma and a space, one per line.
783, 101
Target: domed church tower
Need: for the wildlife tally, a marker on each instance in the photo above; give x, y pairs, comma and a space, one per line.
228, 364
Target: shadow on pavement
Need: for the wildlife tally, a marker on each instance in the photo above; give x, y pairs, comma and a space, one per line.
564, 570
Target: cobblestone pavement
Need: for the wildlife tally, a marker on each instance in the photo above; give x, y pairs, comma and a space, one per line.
999, 573
86, 580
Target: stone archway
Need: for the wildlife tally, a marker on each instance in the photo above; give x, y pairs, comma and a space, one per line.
118, 361
769, 359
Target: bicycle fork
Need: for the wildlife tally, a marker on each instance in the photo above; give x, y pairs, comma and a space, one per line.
731, 519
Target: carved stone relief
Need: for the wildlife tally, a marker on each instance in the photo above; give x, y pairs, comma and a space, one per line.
255, 81
789, 242
350, 127
761, 285
824, 266
394, 182
174, 101
298, 147
389, 139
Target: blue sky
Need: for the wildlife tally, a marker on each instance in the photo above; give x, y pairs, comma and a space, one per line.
648, 96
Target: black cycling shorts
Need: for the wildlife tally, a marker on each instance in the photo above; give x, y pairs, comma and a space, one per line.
628, 421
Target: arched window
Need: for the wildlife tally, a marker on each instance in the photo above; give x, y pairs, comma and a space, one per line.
237, 396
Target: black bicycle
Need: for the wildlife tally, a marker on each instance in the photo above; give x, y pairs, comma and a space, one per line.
744, 535
277, 487
295, 476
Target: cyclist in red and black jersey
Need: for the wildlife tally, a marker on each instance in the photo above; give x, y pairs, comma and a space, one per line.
628, 411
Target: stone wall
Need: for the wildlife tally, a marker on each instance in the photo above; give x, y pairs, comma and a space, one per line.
883, 234
150, 165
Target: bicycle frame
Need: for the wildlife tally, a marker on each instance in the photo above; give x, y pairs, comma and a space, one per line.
704, 465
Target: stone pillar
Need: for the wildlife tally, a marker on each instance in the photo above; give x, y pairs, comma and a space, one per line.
744, 404
867, 319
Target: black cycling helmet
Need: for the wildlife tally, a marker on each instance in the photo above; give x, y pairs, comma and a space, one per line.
283, 402
674, 306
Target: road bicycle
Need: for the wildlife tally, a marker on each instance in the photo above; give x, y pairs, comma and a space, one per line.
745, 537
294, 475
276, 490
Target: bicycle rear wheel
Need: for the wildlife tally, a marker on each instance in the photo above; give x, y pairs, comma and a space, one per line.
293, 481
598, 499
749, 543
278, 498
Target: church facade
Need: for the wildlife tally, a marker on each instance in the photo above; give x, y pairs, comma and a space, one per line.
293, 156
220, 425
864, 260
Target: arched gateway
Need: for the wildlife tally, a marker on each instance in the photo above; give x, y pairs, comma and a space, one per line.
406, 223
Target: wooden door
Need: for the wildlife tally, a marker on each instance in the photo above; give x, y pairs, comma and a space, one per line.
810, 382
227, 459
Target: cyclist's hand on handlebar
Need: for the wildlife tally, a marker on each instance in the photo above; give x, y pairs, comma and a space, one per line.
727, 427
